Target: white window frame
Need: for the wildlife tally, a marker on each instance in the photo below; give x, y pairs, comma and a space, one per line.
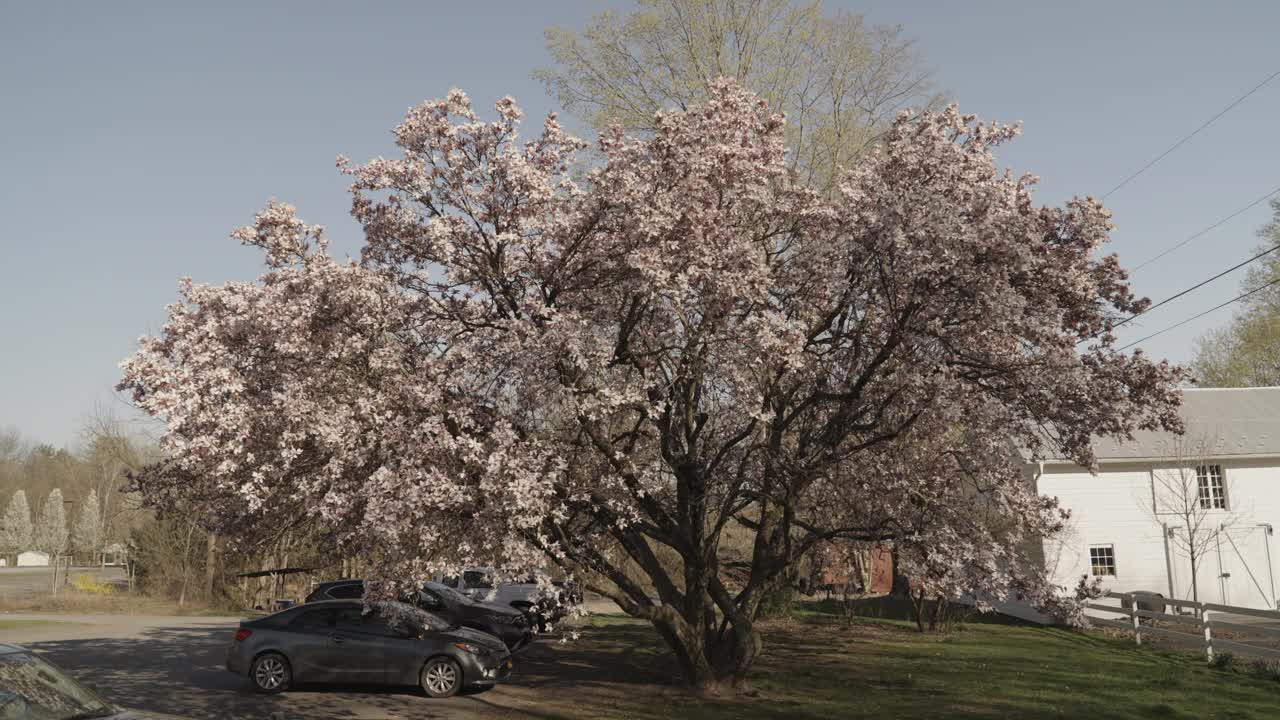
1093, 566
1211, 487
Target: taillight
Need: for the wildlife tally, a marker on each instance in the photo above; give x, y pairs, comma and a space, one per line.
243, 634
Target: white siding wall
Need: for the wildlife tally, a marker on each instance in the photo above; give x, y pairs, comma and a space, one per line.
1111, 508
1115, 507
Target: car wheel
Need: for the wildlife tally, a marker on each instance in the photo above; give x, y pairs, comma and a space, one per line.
270, 673
441, 678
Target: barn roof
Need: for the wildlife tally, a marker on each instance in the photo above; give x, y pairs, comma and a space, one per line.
1221, 423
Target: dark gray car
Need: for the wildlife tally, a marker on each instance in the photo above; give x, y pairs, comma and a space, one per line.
508, 624
343, 642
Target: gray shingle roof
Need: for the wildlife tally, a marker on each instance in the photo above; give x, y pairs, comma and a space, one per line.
1221, 422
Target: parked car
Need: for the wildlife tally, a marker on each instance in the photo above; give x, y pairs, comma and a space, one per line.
342, 641
32, 688
506, 623
541, 605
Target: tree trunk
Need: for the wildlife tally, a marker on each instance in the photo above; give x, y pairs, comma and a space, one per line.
918, 607
210, 566
716, 667
901, 584
1195, 583
939, 609
186, 565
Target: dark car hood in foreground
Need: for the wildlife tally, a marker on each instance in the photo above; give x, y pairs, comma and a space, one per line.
495, 609
122, 714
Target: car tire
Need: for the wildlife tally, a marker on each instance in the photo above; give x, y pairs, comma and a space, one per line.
270, 673
441, 678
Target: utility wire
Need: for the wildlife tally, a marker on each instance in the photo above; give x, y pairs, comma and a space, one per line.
1197, 317
1197, 286
1206, 230
1195, 132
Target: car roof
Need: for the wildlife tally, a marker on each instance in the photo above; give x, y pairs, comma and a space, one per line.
326, 603
345, 581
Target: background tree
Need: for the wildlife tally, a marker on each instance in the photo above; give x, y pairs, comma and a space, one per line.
839, 80
15, 527
605, 372
110, 453
13, 451
1246, 353
46, 467
1192, 501
87, 534
51, 535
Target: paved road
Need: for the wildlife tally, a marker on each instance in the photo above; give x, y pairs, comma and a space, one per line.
175, 665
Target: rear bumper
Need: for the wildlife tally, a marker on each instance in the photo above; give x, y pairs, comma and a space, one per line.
234, 663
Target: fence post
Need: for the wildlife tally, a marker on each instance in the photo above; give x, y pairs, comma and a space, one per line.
1208, 635
1137, 624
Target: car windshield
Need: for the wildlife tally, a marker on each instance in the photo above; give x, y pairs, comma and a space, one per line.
449, 593
32, 689
477, 579
402, 615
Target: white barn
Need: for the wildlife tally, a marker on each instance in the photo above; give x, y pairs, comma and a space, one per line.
33, 558
1129, 521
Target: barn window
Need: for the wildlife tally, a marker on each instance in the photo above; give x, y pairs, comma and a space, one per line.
1102, 560
1213, 492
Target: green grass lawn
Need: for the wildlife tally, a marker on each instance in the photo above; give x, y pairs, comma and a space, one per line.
18, 624
816, 666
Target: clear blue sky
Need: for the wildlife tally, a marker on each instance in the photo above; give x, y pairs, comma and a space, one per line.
134, 136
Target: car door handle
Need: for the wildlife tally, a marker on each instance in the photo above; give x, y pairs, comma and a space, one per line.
336, 640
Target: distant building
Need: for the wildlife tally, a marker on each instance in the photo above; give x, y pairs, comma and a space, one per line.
33, 558
852, 566
1121, 527
113, 554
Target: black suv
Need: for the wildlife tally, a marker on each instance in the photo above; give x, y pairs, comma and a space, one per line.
505, 623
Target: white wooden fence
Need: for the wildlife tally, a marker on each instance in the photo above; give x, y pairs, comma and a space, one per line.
1207, 620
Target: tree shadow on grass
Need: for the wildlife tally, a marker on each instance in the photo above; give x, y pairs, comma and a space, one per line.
616, 653
894, 607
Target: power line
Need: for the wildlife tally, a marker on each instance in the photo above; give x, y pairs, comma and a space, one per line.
1206, 230
1197, 286
1195, 132
1197, 317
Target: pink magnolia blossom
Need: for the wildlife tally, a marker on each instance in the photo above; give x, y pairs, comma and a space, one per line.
605, 368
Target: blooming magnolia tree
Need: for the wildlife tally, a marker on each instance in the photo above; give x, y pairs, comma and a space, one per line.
608, 369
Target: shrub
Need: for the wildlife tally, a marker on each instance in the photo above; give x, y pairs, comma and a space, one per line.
87, 584
1269, 669
1223, 661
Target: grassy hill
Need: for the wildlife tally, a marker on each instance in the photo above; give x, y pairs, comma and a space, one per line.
818, 666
